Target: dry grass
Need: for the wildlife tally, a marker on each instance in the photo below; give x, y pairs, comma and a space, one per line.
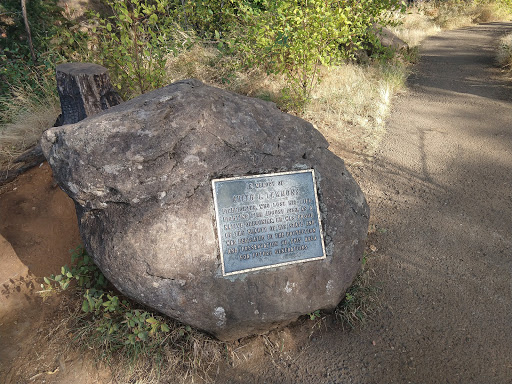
348, 106
173, 362
416, 25
361, 300
455, 14
24, 117
208, 65
504, 54
351, 104
184, 355
428, 19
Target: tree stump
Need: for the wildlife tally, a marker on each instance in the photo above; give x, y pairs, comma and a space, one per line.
84, 90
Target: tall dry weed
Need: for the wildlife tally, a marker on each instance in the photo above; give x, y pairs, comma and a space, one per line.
351, 104
504, 54
24, 116
454, 14
415, 26
224, 71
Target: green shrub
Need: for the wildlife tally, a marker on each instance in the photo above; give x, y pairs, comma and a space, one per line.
294, 37
133, 43
138, 343
116, 322
208, 18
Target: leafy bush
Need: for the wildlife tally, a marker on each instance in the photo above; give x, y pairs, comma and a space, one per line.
208, 18
294, 37
133, 43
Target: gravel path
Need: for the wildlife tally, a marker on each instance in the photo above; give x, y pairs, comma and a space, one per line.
441, 190
442, 186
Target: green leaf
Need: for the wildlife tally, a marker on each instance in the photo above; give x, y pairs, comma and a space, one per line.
85, 306
46, 280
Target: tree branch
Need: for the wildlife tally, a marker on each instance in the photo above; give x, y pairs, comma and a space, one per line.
27, 27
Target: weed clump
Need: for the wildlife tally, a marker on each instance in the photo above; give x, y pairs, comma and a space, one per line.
24, 115
136, 343
361, 299
504, 55
416, 25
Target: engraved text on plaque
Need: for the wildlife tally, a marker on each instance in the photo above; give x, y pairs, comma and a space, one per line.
268, 220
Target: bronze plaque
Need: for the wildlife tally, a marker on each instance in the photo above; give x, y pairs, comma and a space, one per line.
264, 221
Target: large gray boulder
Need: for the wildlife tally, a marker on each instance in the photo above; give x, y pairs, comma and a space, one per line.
389, 39
140, 175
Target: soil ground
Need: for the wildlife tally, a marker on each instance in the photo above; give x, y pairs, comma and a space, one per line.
440, 191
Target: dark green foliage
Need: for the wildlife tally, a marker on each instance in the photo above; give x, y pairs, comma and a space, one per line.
134, 42
46, 20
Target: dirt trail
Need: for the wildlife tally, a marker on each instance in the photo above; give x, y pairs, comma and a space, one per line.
441, 188
440, 191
